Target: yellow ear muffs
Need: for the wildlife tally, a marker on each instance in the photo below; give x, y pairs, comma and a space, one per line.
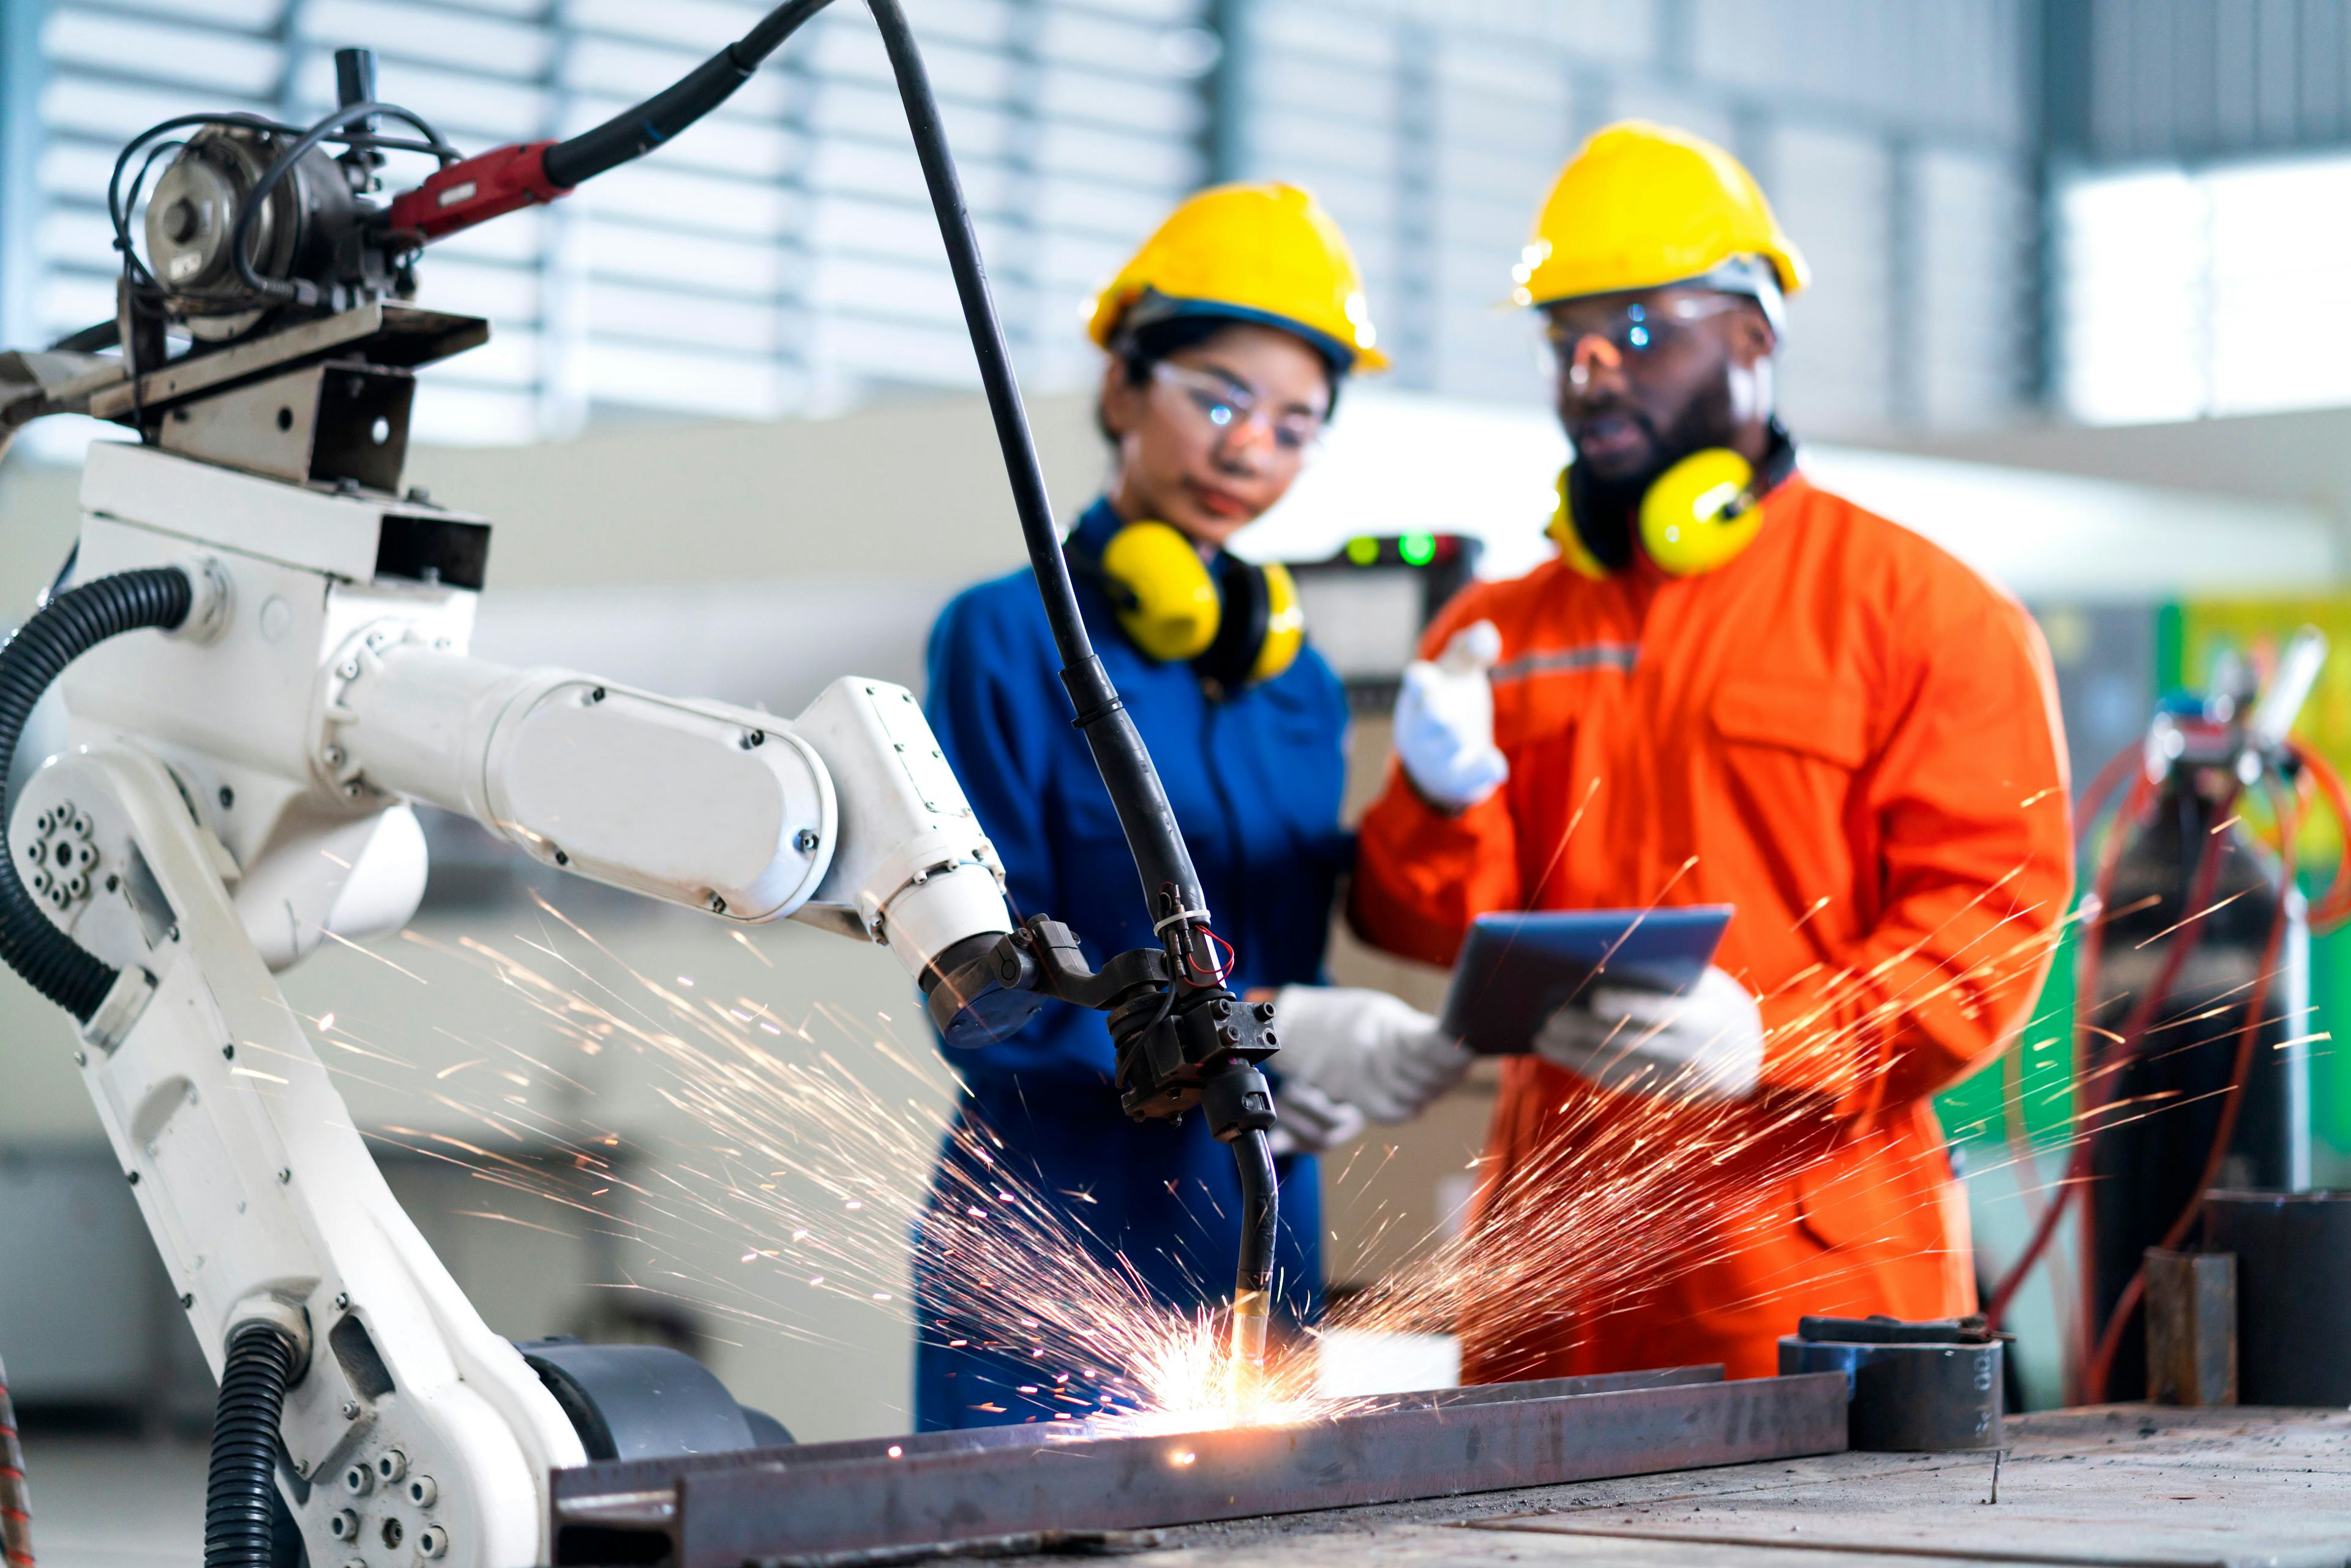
1563, 531
1285, 624
1166, 601
1700, 512
1239, 623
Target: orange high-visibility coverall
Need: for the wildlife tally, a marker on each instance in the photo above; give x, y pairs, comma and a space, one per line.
1854, 739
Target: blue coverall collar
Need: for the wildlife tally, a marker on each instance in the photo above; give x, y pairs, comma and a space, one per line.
1097, 525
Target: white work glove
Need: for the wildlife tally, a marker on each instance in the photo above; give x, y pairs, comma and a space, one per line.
1311, 1122
1362, 1048
1705, 1043
1445, 721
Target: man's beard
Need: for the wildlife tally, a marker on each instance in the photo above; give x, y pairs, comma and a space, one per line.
1607, 510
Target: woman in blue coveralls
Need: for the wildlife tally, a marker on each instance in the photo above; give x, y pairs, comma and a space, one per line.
1229, 335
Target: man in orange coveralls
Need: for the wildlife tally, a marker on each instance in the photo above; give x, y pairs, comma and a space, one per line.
1732, 687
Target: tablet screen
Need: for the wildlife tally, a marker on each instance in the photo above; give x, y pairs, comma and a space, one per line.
1519, 967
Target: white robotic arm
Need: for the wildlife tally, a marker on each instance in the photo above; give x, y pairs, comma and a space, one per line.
240, 784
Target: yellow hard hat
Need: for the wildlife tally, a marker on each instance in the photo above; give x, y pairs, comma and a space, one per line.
1258, 253
1641, 205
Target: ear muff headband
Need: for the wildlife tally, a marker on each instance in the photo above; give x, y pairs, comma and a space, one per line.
1237, 623
1695, 518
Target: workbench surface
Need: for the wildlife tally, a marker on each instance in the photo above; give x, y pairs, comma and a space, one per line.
2114, 1485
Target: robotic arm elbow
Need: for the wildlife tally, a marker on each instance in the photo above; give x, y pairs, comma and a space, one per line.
847, 817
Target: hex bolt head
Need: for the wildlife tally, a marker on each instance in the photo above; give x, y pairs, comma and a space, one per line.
351, 1408
359, 1480
422, 1491
805, 841
432, 1540
344, 1525
391, 1464
753, 737
342, 1301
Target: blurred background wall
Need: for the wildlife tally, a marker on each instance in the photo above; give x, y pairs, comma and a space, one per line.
2074, 319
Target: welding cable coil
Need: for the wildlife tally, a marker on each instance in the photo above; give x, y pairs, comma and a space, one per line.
241, 1488
71, 624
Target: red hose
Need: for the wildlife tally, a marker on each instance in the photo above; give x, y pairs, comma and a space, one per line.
2101, 1363
15, 1506
2093, 1055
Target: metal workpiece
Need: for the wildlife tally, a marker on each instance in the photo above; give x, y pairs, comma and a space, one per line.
816, 1500
2293, 1292
1931, 1386
2191, 1327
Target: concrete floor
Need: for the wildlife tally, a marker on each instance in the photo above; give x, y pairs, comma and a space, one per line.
2129, 1487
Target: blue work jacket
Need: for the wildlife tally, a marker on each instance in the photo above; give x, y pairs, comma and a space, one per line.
1255, 780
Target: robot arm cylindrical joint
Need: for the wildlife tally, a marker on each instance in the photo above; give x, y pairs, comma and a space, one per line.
913, 869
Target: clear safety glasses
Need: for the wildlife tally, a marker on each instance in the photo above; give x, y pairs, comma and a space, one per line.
1581, 334
1229, 408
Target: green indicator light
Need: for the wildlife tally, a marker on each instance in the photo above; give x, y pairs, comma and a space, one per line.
1417, 549
1363, 552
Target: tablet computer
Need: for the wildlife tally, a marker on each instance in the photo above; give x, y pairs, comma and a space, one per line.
1519, 967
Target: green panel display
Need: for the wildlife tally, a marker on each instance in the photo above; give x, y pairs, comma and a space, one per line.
2039, 1079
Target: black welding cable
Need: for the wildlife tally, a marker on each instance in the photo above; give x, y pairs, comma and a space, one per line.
241, 1484
1160, 855
68, 626
638, 130
1133, 782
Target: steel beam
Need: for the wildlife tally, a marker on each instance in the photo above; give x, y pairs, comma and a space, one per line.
815, 1501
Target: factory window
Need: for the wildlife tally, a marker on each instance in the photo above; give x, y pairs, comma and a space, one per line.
781, 258
2190, 293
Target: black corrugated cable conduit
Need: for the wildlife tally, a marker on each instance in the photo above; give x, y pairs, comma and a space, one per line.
241, 1488
73, 623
